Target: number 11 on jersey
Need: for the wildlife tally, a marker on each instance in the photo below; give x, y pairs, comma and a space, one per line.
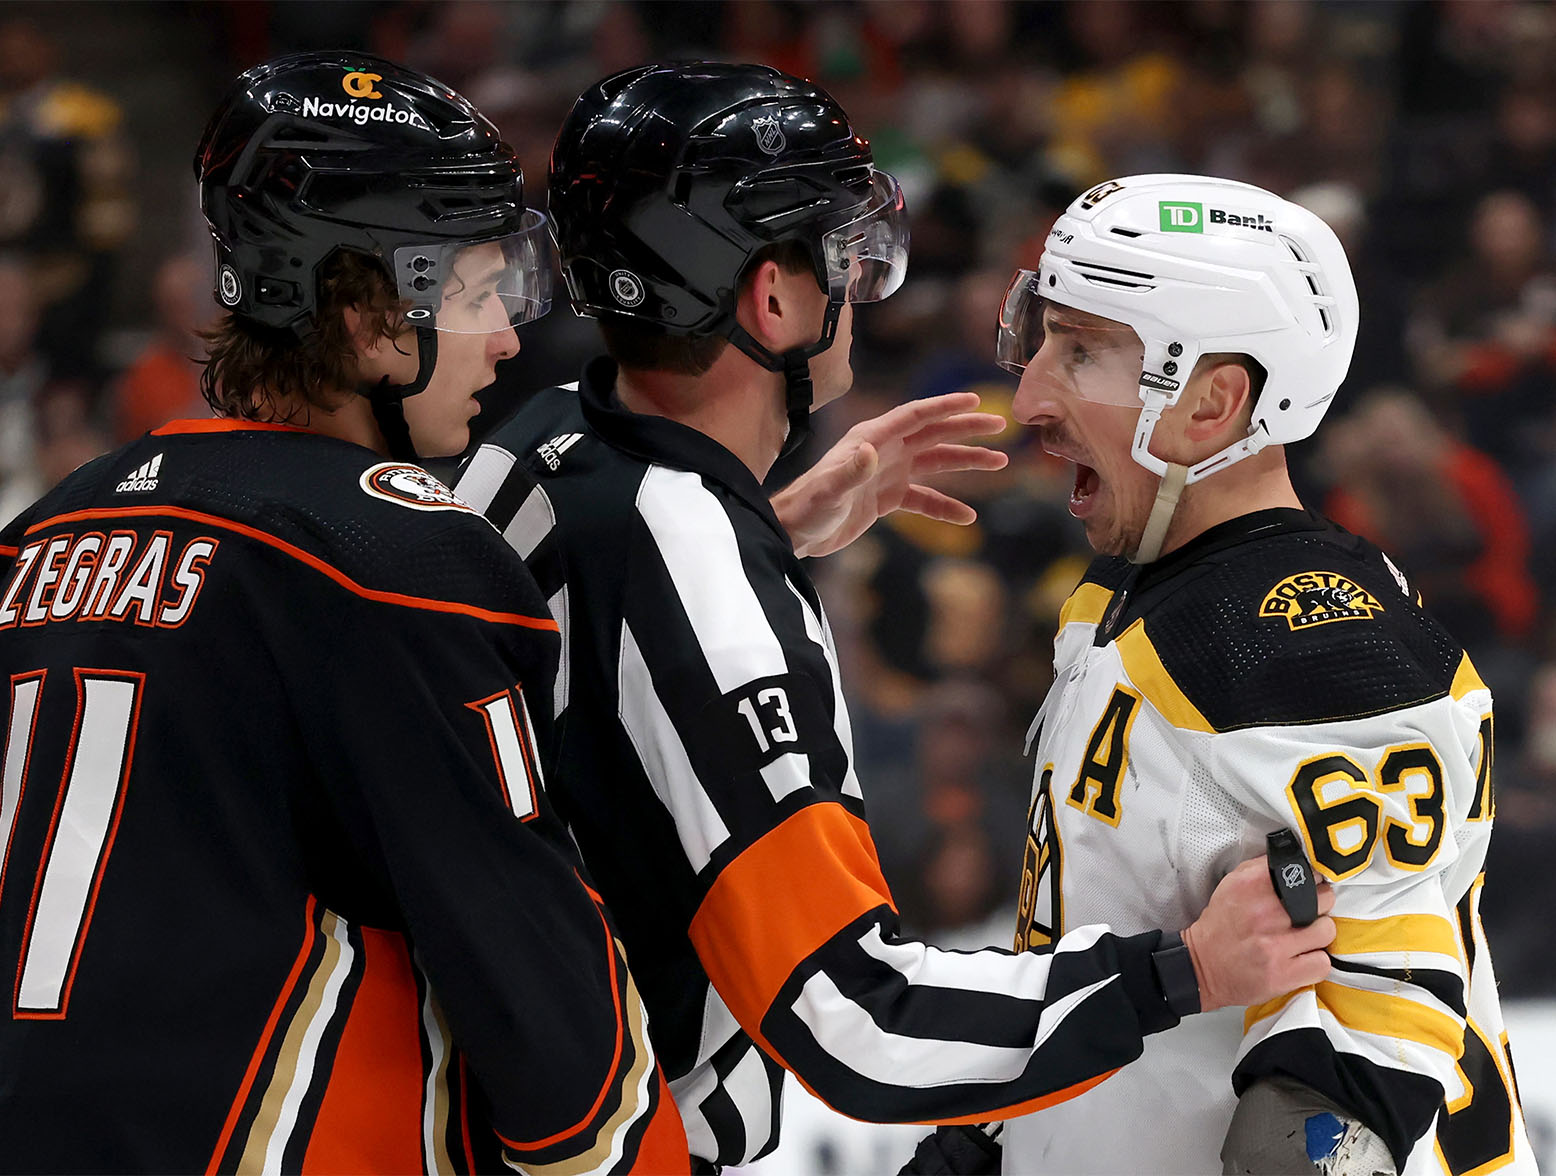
81, 830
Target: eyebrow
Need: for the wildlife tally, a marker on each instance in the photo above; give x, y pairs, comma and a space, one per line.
490, 276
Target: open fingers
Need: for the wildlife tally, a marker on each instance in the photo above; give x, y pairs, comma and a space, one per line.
963, 426
931, 503
907, 419
943, 458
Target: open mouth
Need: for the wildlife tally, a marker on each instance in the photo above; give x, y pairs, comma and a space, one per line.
1087, 483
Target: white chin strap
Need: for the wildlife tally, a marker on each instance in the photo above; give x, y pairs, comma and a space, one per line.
1174, 477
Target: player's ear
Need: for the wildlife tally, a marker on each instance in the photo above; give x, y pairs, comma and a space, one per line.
1221, 398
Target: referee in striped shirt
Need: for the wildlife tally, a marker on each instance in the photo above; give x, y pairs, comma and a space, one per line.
721, 222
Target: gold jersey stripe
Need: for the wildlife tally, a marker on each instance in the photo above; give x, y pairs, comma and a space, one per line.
277, 1117
1397, 933
1151, 678
1466, 681
1385, 1015
1085, 605
1379, 1013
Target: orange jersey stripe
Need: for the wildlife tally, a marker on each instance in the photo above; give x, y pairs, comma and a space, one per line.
780, 900
1031, 1104
370, 1119
264, 1038
313, 561
225, 425
664, 1150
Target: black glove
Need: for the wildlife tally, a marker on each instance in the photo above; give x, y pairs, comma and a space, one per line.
959, 1150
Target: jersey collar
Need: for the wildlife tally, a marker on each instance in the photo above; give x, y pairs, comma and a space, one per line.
666, 442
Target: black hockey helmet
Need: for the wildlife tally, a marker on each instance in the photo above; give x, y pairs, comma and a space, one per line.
314, 153
667, 179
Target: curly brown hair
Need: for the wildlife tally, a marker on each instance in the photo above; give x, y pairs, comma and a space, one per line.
258, 373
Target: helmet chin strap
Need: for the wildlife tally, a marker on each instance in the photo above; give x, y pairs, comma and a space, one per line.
1175, 477
798, 392
387, 399
1168, 492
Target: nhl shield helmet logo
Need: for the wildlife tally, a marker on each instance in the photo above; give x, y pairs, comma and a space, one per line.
769, 135
626, 288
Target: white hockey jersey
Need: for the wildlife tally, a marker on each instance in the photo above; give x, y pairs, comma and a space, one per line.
1277, 671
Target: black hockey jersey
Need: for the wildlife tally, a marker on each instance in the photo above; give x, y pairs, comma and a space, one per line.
280, 886
712, 791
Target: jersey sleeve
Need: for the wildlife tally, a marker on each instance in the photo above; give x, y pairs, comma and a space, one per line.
420, 711
1392, 809
728, 690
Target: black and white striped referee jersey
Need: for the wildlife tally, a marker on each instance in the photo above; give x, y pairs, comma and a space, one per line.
702, 759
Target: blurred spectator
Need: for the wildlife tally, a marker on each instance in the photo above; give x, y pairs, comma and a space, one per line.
957, 895
1486, 333
64, 191
1442, 509
1518, 921
163, 383
24, 373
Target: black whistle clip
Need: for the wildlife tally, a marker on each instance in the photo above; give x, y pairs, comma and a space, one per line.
1292, 877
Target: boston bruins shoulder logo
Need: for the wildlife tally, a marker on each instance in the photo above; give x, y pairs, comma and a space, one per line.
1317, 598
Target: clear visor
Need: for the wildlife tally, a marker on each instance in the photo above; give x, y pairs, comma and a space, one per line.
1075, 353
479, 288
867, 258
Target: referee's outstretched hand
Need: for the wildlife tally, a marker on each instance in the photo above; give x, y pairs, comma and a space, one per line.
876, 467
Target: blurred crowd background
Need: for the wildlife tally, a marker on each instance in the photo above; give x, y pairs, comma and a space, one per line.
1424, 132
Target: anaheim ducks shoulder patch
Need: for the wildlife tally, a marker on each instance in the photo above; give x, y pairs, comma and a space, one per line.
412, 486
1319, 598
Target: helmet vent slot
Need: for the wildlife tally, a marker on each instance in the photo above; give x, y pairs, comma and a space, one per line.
1113, 269
1117, 283
1123, 232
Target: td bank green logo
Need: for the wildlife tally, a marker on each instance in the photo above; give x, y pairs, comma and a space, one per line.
1182, 218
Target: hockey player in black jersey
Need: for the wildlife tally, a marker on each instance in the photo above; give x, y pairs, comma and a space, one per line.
722, 222
1233, 665
280, 887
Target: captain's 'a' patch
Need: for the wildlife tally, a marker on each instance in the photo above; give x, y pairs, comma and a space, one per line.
1319, 598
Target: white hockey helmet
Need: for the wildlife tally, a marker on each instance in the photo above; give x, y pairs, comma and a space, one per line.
1196, 265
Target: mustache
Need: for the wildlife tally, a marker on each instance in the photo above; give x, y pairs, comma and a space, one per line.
1058, 437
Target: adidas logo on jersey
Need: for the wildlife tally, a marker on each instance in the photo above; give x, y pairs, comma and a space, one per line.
144, 478
551, 452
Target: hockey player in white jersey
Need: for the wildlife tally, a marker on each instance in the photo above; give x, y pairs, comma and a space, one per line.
1232, 665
